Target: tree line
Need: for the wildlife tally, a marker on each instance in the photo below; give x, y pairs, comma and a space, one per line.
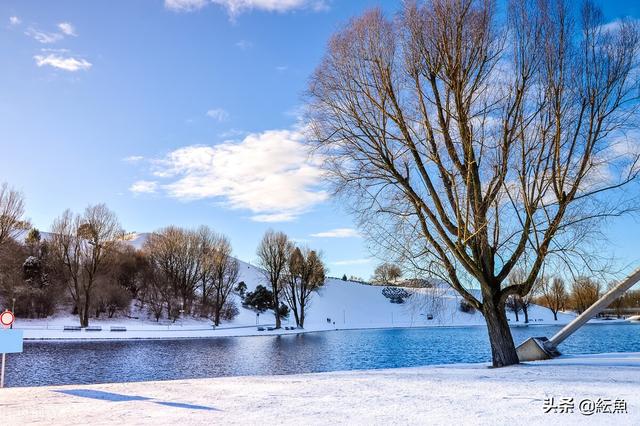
85, 264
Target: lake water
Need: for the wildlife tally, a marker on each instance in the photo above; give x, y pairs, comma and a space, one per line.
57, 363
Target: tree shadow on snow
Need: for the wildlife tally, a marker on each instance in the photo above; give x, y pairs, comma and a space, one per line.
116, 397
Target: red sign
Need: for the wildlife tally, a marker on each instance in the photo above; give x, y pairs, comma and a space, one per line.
7, 318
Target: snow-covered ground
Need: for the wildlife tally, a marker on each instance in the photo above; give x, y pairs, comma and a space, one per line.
338, 305
451, 394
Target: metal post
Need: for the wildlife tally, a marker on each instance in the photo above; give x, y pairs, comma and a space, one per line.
2, 373
539, 348
596, 308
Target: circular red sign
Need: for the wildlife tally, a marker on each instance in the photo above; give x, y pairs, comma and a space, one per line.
7, 318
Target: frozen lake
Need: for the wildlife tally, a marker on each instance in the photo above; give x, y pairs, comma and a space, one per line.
57, 363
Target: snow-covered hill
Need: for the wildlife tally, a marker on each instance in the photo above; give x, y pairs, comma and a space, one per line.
354, 305
338, 305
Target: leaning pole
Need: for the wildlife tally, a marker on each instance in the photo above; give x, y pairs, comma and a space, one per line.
539, 348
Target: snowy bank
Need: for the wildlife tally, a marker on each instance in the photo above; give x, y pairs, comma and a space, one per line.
452, 394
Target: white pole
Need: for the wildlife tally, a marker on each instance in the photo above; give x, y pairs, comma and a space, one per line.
2, 373
596, 308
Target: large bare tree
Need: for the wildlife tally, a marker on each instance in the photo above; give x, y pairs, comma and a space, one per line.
81, 246
469, 142
273, 254
305, 276
221, 277
178, 253
553, 295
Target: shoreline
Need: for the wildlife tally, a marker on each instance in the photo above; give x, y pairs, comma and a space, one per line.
255, 333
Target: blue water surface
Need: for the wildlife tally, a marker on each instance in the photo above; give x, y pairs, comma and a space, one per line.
58, 363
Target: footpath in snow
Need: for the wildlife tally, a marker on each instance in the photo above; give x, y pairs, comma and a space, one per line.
544, 393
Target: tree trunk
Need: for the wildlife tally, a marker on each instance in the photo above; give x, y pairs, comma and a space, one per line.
301, 323
555, 315
525, 309
276, 309
503, 350
216, 319
517, 318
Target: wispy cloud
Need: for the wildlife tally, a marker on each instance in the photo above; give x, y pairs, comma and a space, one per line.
133, 159
66, 63
67, 29
14, 20
43, 37
244, 44
269, 174
338, 233
144, 187
236, 7
351, 262
232, 133
185, 5
218, 114
282, 68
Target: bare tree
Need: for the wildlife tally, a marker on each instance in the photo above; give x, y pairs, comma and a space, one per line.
222, 276
514, 304
620, 303
517, 302
584, 293
386, 273
273, 254
81, 245
305, 276
466, 143
178, 253
553, 295
11, 211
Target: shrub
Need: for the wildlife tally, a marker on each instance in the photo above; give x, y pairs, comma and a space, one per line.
395, 294
229, 311
260, 300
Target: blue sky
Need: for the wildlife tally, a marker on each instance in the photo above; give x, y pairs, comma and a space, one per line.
182, 112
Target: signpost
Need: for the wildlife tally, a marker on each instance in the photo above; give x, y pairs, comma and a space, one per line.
10, 340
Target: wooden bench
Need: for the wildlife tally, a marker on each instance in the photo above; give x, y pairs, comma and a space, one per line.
72, 328
118, 328
93, 328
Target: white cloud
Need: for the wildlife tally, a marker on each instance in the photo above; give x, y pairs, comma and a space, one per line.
235, 7
282, 68
144, 187
244, 44
184, 5
218, 114
269, 173
68, 63
43, 37
67, 29
338, 233
351, 262
133, 159
14, 20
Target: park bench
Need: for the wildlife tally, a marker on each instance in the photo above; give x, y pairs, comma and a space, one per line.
94, 328
260, 328
72, 328
118, 328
